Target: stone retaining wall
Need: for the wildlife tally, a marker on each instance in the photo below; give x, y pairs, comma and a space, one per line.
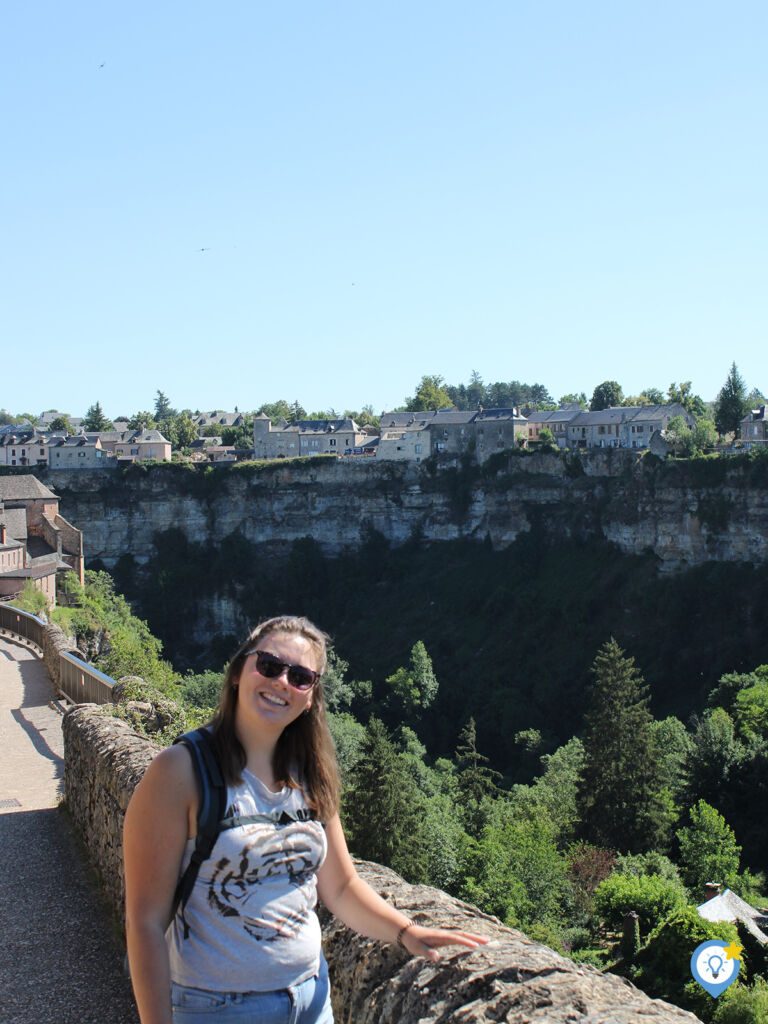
55, 640
512, 979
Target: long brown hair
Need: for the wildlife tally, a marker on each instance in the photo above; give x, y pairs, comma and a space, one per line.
305, 757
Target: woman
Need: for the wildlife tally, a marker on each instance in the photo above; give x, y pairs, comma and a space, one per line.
249, 947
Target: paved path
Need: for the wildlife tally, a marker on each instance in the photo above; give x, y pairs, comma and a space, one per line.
60, 954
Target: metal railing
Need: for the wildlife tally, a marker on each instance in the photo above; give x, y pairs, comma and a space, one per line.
22, 624
78, 680
83, 683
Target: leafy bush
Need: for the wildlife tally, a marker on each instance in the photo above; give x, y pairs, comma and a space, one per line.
653, 897
663, 965
650, 863
742, 1005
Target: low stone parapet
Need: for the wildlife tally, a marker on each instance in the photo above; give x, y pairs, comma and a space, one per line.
513, 979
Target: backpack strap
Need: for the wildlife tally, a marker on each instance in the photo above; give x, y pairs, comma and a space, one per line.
211, 808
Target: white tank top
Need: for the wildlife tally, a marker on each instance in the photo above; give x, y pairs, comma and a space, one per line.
251, 917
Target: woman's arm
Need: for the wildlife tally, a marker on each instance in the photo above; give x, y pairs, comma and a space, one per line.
157, 823
355, 903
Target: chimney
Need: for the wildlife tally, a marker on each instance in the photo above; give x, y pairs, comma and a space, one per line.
712, 889
2, 533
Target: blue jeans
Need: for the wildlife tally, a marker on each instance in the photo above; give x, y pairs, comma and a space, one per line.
307, 1003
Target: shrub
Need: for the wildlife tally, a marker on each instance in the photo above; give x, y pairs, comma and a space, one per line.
653, 897
663, 965
742, 1005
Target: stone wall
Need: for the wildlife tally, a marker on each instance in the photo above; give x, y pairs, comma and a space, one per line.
55, 640
512, 979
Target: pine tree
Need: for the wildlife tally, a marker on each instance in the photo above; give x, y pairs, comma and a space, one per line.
619, 797
95, 420
731, 404
476, 780
383, 810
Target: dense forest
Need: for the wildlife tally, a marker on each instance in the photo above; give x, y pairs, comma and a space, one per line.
553, 732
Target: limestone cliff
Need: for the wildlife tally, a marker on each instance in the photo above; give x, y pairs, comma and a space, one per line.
686, 513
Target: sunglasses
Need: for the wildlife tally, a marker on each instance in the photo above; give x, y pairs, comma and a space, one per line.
271, 667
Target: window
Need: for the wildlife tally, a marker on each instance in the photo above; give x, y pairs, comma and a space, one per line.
417, 449
332, 442
134, 451
81, 455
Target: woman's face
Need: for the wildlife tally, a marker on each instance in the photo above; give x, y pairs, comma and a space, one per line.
275, 701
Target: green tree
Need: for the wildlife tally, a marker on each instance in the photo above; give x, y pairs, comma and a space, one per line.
619, 795
62, 423
184, 431
415, 688
708, 849
383, 813
683, 394
714, 759
475, 391
573, 399
556, 790
731, 406
606, 396
514, 870
279, 410
476, 781
704, 434
546, 438
430, 394
95, 420
680, 436
163, 410
142, 421
653, 396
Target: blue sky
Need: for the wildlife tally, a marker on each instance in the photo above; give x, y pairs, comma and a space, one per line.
325, 201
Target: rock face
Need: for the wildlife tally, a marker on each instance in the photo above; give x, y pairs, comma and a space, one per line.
684, 512
512, 979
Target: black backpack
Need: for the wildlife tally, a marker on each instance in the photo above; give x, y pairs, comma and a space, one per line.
211, 812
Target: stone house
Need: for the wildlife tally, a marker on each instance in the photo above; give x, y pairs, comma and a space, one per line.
305, 437
407, 442
30, 521
23, 448
143, 445
754, 426
623, 426
555, 420
414, 436
77, 452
